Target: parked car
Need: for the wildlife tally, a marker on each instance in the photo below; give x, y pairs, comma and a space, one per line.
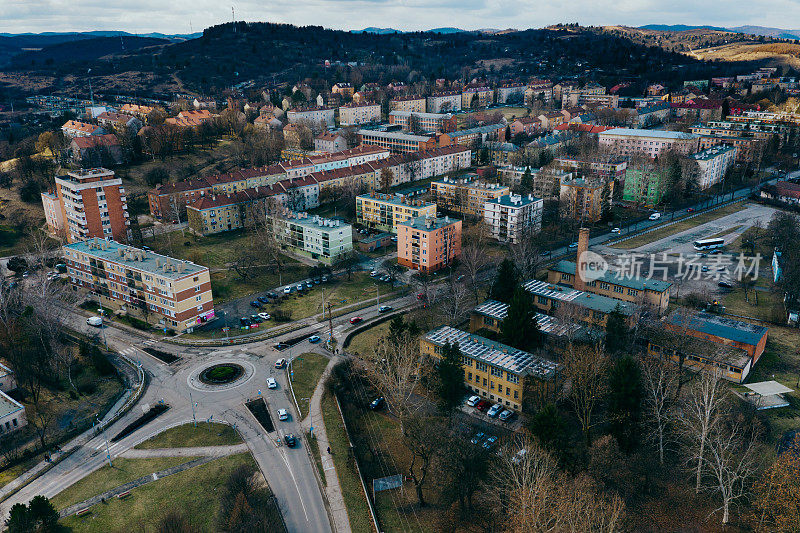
256, 304
373, 274
377, 403
616, 231
356, 320
299, 287
281, 346
290, 440
271, 294
690, 210
655, 216
264, 316
386, 278
490, 442
244, 321
384, 308
725, 284
287, 290
325, 278
506, 415
573, 245
271, 383
478, 438
309, 284
473, 400
255, 319
313, 339
95, 321
280, 363
494, 410
263, 299
482, 406
283, 414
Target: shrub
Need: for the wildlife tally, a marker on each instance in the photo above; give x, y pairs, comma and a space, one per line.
87, 388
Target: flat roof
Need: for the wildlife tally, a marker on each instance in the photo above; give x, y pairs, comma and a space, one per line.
595, 302
726, 328
768, 388
316, 221
8, 405
711, 153
519, 200
395, 135
115, 252
568, 267
434, 116
662, 134
494, 353
421, 223
395, 200
545, 323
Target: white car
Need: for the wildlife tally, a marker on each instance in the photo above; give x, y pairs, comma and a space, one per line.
280, 363
271, 383
287, 290
264, 316
95, 321
616, 231
494, 410
283, 414
473, 401
655, 216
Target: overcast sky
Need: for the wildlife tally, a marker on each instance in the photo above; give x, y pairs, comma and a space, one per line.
183, 16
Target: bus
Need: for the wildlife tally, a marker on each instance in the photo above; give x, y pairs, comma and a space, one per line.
709, 244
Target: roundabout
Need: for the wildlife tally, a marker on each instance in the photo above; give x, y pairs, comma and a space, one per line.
220, 376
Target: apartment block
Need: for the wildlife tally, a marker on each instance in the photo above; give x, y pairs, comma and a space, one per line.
495, 371
430, 122
645, 185
538, 90
627, 142
330, 142
386, 212
412, 104
92, 203
217, 213
397, 142
465, 196
511, 93
545, 182
345, 89
444, 102
591, 309
75, 128
160, 290
321, 239
357, 114
748, 148
712, 164
53, 213
613, 169
319, 117
428, 243
510, 216
472, 97
585, 199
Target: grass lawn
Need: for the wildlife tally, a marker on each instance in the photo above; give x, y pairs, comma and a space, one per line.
312, 443
308, 368
187, 436
363, 343
106, 478
770, 305
678, 227
193, 492
354, 498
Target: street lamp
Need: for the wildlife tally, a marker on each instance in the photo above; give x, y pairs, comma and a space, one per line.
103, 431
102, 326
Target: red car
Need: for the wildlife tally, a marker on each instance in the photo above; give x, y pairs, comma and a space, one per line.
690, 210
356, 320
482, 406
420, 296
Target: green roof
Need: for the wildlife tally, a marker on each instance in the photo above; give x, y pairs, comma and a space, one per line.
655, 285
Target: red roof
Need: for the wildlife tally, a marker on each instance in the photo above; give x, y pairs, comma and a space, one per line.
787, 188
585, 128
94, 141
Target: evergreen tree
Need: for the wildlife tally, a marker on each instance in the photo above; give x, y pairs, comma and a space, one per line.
616, 331
519, 328
505, 281
526, 182
549, 427
43, 512
625, 402
451, 378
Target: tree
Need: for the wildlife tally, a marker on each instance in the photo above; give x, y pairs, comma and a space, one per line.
39, 515
463, 467
505, 282
584, 370
549, 427
393, 270
347, 261
777, 492
422, 436
450, 378
156, 175
520, 328
625, 402
660, 381
174, 522
386, 178
702, 410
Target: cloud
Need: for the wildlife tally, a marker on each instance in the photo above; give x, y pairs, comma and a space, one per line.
181, 16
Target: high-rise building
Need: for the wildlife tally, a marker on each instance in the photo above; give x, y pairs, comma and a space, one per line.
428, 244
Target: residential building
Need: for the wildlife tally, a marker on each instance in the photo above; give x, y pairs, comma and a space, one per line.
465, 196
748, 148
511, 93
444, 102
74, 128
475, 137
317, 118
428, 243
119, 122
190, 119
784, 192
93, 204
510, 216
139, 111
701, 109
489, 317
645, 184
321, 239
330, 141
205, 103
501, 154
291, 136
96, 151
357, 114
539, 90
591, 309
526, 125
476, 97
386, 212
590, 94
712, 164
12, 414
655, 89
628, 142
53, 213
217, 213
651, 114
585, 199
412, 104
160, 290
8, 382
602, 168
398, 142
494, 371
345, 89
427, 122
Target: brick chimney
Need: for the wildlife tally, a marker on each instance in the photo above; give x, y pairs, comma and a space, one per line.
583, 246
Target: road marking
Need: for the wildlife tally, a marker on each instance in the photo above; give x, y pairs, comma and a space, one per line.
282, 453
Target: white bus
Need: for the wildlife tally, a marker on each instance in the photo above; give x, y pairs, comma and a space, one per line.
709, 244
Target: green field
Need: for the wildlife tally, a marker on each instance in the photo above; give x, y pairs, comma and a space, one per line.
187, 436
193, 492
307, 368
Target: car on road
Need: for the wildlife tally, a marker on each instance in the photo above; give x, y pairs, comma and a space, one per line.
290, 440
690, 210
244, 321
263, 299
725, 284
287, 290
356, 320
573, 245
256, 304
377, 403
506, 415
490, 442
373, 274
616, 231
95, 321
280, 363
494, 410
704, 268
478, 438
654, 216
482, 406
472, 400
271, 383
384, 308
264, 316
313, 339
299, 287
281, 346
309, 284
283, 414
271, 294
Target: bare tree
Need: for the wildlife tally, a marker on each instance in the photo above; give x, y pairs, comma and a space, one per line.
455, 304
526, 253
660, 379
700, 414
584, 371
423, 436
475, 257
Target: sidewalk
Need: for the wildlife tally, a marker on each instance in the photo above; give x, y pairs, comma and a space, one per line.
333, 492
199, 451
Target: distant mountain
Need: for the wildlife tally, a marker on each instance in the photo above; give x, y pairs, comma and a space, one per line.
680, 27
768, 32
378, 31
446, 30
82, 50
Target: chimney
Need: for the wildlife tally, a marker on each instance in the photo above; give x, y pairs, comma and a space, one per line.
583, 246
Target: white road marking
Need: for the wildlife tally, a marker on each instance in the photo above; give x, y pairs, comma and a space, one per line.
282, 453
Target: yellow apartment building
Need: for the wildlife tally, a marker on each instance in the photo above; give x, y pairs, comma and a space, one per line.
386, 211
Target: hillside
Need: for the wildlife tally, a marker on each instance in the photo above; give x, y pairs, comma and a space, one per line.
81, 50
769, 54
259, 51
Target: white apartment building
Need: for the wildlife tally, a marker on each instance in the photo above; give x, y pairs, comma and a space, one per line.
712, 164
312, 115
509, 215
628, 142
444, 102
323, 239
355, 114
413, 104
512, 91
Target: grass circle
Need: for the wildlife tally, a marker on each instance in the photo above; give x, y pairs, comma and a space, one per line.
221, 374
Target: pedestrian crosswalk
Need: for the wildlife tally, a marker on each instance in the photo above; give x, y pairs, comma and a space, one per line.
102, 445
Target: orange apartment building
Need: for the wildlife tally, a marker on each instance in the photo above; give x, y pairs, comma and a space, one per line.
428, 244
92, 203
412, 104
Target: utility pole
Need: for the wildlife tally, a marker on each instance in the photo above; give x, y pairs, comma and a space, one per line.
103, 431
330, 321
194, 419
